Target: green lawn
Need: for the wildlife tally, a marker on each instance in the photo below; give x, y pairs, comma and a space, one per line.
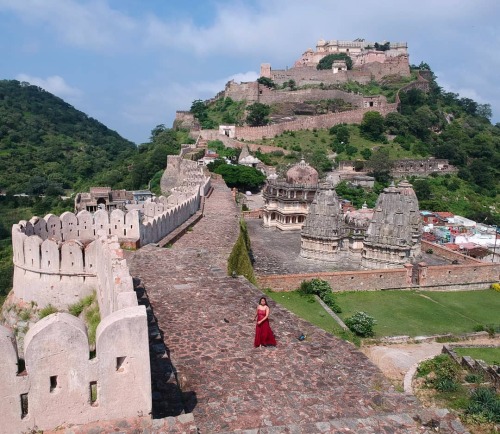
410, 313
489, 355
305, 307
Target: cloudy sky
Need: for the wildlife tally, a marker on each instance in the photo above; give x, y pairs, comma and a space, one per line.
132, 63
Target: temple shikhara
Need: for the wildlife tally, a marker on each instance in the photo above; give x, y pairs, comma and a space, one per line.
386, 237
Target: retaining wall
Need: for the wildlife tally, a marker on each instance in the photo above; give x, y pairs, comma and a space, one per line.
321, 121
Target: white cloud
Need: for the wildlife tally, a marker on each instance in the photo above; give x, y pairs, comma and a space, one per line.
90, 25
53, 84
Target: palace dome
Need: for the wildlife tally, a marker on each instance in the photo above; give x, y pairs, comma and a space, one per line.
302, 173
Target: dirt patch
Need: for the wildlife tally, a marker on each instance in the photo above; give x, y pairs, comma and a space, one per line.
395, 360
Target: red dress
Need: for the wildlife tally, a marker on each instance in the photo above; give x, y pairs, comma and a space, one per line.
263, 333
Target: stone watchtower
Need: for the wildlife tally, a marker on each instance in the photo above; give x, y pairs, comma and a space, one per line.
393, 236
322, 233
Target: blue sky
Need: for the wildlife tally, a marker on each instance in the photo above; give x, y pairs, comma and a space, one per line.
132, 63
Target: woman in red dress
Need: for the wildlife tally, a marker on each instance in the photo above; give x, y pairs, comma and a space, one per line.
263, 333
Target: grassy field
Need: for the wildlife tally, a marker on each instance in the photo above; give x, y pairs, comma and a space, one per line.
489, 355
410, 313
305, 307
308, 140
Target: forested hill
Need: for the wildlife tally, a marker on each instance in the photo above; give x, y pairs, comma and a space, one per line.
46, 144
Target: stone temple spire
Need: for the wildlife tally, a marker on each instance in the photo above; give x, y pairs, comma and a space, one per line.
393, 236
321, 236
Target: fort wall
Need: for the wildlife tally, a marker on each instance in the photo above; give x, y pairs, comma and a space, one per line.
61, 375
371, 280
321, 121
468, 274
255, 92
59, 370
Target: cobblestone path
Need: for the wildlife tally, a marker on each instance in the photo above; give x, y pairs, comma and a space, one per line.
318, 385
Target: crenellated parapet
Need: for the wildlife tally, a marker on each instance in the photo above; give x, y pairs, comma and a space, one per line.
84, 226
60, 374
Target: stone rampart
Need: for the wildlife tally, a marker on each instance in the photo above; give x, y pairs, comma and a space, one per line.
84, 225
62, 384
457, 277
321, 121
370, 280
166, 219
442, 277
255, 92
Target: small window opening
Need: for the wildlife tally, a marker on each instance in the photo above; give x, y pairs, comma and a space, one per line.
24, 405
53, 383
119, 364
93, 392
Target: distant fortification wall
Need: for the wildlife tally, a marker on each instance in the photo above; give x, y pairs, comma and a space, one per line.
397, 65
321, 121
255, 92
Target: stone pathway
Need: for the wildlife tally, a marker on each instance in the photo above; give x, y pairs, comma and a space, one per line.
319, 385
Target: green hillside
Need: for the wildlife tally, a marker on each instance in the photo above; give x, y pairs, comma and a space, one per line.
435, 124
48, 148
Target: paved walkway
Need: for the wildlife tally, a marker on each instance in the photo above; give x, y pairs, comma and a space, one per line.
322, 384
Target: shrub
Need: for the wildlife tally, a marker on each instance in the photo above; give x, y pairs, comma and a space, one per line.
485, 403
46, 311
77, 308
446, 373
323, 290
239, 260
361, 324
330, 301
495, 286
474, 378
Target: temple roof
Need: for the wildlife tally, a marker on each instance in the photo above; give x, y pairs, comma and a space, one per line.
302, 173
324, 217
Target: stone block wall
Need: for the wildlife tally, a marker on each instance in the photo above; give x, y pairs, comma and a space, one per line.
160, 225
441, 277
321, 121
449, 254
62, 384
455, 277
371, 280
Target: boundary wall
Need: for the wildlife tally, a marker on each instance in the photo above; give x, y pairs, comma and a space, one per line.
469, 274
310, 122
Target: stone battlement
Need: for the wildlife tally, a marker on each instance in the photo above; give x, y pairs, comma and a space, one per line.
60, 374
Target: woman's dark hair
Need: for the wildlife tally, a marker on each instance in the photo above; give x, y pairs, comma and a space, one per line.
263, 298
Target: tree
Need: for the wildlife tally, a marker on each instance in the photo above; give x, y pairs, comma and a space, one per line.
484, 110
380, 165
422, 189
291, 84
372, 126
396, 123
199, 109
241, 177
265, 81
258, 114
343, 134
327, 61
